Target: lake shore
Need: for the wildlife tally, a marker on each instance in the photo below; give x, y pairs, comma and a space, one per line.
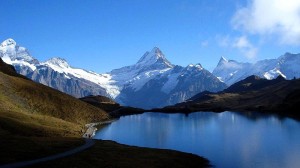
102, 154
190, 109
184, 110
92, 128
221, 137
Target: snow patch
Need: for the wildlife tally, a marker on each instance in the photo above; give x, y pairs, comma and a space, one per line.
272, 74
140, 80
8, 60
220, 79
103, 80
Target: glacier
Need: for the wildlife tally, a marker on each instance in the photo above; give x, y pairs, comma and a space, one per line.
152, 81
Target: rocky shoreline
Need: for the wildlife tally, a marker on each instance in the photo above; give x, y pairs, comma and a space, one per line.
92, 128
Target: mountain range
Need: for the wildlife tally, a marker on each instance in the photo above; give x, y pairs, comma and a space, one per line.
41, 126
231, 71
151, 82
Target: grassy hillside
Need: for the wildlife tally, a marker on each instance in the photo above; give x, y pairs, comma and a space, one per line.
24, 104
38, 121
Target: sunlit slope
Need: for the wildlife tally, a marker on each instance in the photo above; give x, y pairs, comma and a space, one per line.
33, 109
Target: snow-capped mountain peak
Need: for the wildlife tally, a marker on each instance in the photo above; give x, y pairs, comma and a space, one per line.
225, 62
157, 51
155, 56
152, 82
59, 65
232, 71
192, 67
56, 61
14, 54
8, 42
222, 61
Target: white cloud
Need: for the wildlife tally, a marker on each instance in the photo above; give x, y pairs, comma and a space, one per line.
271, 17
241, 43
245, 46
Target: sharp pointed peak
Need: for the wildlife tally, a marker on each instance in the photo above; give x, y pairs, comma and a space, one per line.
155, 56
223, 59
155, 49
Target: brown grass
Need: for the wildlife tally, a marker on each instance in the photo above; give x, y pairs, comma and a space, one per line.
38, 121
21, 95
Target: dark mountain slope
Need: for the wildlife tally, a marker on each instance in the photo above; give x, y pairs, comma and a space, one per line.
114, 109
101, 102
252, 83
252, 94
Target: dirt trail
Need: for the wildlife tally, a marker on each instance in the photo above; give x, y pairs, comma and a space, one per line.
88, 143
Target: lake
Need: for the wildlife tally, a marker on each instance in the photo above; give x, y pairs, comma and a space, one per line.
227, 139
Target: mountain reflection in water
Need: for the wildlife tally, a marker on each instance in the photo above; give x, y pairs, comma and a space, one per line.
227, 139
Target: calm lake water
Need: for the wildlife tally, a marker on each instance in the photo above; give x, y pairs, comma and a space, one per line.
227, 139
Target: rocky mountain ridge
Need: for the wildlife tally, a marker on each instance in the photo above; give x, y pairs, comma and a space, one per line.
231, 71
152, 82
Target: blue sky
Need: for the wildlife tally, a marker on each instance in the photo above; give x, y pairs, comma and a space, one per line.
102, 35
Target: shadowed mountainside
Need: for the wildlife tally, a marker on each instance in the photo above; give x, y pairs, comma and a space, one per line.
251, 94
114, 109
102, 102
